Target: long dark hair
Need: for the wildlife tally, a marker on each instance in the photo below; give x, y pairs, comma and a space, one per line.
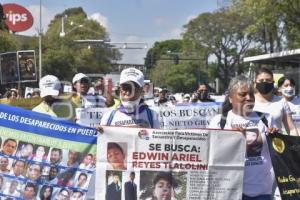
43, 191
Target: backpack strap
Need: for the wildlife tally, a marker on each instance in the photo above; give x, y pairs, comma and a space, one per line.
263, 118
150, 116
223, 120
111, 116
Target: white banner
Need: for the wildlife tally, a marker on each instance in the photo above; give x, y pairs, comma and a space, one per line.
169, 164
90, 117
187, 116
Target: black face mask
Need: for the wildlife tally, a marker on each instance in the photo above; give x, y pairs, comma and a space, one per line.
264, 87
203, 95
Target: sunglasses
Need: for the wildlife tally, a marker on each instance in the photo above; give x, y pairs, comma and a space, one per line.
84, 80
129, 86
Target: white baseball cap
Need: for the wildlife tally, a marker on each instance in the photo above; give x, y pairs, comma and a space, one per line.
132, 74
78, 77
49, 85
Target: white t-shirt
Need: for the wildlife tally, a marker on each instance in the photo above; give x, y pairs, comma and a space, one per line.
258, 174
140, 118
295, 110
276, 108
294, 106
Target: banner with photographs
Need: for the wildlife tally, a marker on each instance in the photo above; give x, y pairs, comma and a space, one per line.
285, 155
187, 116
9, 67
44, 157
136, 163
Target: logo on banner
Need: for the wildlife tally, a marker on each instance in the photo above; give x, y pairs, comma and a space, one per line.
278, 145
143, 134
18, 18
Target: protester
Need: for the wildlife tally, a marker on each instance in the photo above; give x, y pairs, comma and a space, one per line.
36, 93
238, 114
131, 112
164, 184
81, 98
162, 99
12, 94
186, 98
203, 93
116, 96
286, 86
267, 102
52, 104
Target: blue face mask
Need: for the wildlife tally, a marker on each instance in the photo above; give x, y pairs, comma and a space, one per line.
288, 91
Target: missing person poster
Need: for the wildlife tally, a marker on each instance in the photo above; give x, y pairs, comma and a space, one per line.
27, 66
43, 157
136, 163
187, 116
9, 68
285, 155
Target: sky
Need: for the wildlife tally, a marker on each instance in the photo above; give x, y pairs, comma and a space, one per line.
145, 21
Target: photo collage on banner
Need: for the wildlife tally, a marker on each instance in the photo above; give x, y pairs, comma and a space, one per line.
169, 164
29, 168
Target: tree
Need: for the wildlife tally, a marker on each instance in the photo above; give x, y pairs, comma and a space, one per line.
161, 49
63, 57
221, 34
265, 22
7, 42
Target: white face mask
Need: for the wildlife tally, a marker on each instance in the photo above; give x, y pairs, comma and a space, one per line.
131, 105
288, 91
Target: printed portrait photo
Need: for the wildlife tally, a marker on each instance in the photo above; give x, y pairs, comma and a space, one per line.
9, 147
162, 185
25, 150
113, 185
254, 142
117, 155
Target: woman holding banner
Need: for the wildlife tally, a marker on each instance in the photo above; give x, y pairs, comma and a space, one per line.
238, 114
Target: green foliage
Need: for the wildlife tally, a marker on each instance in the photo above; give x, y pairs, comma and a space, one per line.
7, 42
63, 57
182, 78
221, 34
160, 49
265, 19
